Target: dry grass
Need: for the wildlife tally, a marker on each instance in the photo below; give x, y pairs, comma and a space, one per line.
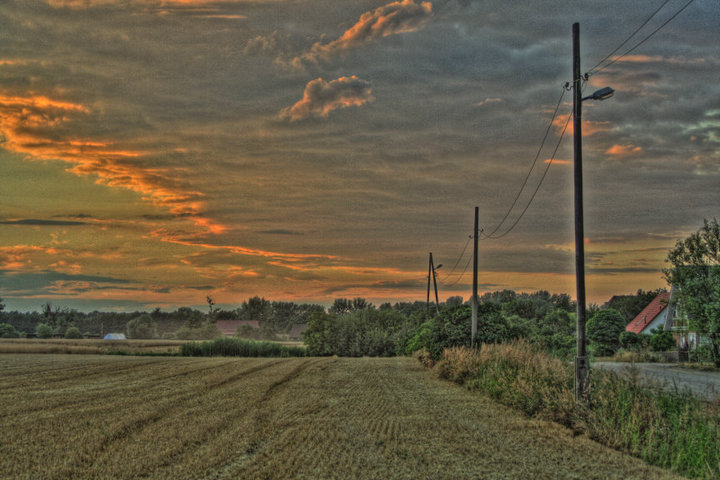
88, 346
82, 417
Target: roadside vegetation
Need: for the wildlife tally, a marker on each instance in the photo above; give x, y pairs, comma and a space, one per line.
672, 429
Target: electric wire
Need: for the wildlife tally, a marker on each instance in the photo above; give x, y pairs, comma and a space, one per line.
650, 35
527, 177
457, 262
557, 146
631, 36
459, 275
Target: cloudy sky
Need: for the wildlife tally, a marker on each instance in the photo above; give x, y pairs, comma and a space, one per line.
157, 151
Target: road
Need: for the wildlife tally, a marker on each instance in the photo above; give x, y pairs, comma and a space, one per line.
706, 385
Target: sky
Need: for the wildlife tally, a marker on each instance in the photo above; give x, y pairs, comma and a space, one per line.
156, 152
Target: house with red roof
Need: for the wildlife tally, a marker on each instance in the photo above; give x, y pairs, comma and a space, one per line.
656, 315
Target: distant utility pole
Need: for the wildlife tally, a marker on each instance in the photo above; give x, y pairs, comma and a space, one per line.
431, 271
473, 332
581, 361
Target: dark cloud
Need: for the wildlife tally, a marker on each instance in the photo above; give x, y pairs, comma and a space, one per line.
281, 232
42, 223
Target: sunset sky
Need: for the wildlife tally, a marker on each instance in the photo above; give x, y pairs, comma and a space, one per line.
155, 152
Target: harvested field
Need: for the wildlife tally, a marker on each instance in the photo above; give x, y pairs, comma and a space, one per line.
89, 346
71, 416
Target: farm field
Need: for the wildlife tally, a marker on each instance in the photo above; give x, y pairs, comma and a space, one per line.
88, 416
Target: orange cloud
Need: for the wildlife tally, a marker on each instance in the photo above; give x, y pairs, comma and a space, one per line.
588, 127
321, 97
35, 125
623, 150
391, 19
556, 161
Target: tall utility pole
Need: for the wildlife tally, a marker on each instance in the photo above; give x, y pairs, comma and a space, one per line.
473, 331
427, 301
431, 271
437, 300
581, 361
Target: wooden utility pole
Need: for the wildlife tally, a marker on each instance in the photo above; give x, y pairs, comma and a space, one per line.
473, 331
427, 301
581, 361
437, 301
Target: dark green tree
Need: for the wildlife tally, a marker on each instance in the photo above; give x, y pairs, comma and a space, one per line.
8, 331
143, 326
694, 272
603, 331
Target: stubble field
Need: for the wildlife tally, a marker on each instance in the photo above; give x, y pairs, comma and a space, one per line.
87, 416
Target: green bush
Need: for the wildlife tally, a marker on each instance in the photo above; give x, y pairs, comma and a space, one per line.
236, 347
8, 331
603, 331
662, 341
141, 327
73, 332
43, 330
205, 331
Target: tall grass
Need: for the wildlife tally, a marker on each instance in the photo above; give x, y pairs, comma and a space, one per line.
672, 429
237, 347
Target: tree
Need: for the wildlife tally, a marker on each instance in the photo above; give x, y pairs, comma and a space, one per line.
603, 331
8, 331
695, 275
143, 326
73, 332
43, 330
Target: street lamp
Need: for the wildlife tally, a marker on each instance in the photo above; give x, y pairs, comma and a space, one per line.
582, 366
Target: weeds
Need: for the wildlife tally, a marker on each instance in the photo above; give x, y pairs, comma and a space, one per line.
670, 429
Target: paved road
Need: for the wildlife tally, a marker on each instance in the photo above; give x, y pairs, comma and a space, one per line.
669, 375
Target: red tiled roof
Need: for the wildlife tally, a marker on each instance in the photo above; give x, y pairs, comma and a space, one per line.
228, 327
648, 313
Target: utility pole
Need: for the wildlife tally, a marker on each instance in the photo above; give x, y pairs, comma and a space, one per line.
437, 301
427, 301
473, 331
581, 362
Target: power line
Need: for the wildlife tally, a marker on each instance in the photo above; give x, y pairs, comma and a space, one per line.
631, 35
460, 257
459, 275
557, 146
595, 69
527, 177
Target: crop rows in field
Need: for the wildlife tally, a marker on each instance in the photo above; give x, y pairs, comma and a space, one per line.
214, 418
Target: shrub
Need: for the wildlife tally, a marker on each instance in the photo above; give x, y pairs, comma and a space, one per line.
141, 327
603, 331
205, 331
236, 347
73, 332
662, 341
43, 330
8, 331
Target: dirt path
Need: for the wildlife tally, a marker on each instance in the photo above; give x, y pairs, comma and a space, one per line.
316, 418
668, 375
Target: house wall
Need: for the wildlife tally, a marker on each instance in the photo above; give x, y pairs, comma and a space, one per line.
657, 323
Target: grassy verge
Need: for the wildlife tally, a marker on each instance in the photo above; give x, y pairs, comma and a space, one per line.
670, 429
237, 347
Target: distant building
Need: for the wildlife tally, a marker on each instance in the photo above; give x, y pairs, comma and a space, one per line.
115, 336
297, 330
229, 327
656, 315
